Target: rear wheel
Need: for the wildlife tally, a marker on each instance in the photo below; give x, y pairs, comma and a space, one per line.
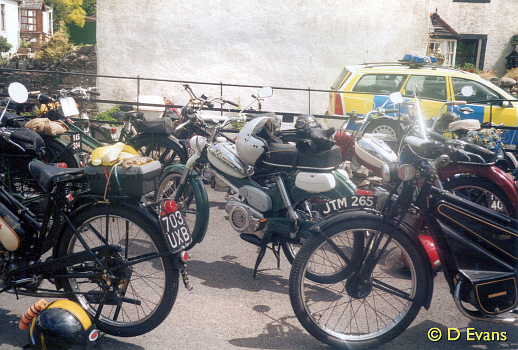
139, 296
100, 134
481, 191
161, 148
358, 311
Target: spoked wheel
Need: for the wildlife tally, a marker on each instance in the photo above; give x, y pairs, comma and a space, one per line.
139, 296
358, 311
160, 148
481, 191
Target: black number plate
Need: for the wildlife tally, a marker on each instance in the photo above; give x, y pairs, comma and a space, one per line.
174, 226
348, 202
77, 143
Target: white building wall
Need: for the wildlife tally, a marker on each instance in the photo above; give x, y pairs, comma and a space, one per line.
47, 22
497, 19
296, 43
12, 24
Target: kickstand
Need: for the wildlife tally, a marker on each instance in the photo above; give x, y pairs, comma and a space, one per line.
276, 248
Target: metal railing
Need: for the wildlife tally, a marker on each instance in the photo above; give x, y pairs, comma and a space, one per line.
58, 82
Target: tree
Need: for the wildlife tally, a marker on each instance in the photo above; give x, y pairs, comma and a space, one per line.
90, 6
55, 48
69, 11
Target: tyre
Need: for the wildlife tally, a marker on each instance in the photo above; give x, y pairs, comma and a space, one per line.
100, 134
358, 311
481, 191
139, 296
187, 203
160, 148
56, 152
388, 127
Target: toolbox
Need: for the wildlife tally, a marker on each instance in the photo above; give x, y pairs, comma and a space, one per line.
133, 181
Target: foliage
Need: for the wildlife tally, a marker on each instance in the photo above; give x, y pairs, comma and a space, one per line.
55, 48
107, 115
24, 43
512, 73
4, 45
436, 53
90, 7
514, 40
68, 11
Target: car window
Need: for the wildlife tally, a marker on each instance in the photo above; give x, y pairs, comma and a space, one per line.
430, 87
481, 93
344, 74
382, 84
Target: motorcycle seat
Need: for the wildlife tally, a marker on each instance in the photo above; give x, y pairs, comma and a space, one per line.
287, 156
122, 116
48, 175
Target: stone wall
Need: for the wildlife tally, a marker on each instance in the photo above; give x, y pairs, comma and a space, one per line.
83, 60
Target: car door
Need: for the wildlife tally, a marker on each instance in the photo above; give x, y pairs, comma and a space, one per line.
431, 89
484, 109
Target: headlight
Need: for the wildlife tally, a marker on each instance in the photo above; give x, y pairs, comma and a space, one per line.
388, 172
406, 172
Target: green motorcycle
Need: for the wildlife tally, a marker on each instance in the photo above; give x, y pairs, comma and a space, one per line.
275, 192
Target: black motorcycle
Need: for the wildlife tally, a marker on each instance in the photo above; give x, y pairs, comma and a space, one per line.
378, 272
118, 259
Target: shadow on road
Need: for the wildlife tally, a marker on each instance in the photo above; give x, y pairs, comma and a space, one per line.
282, 333
227, 273
11, 334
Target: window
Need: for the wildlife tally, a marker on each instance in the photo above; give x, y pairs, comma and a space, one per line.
28, 20
344, 74
383, 84
2, 14
481, 93
428, 86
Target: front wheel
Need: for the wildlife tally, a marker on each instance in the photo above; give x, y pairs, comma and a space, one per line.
358, 311
141, 293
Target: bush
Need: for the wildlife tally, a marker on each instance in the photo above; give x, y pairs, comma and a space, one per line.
107, 115
4, 45
512, 73
55, 48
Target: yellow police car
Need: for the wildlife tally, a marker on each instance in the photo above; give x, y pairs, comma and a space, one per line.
367, 86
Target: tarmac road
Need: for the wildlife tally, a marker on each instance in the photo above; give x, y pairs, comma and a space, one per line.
228, 309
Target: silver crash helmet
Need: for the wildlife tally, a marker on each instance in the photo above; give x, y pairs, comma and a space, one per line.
252, 140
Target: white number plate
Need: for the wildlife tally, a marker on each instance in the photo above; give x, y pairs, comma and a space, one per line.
174, 226
348, 202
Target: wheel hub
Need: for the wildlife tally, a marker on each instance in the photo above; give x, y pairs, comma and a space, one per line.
358, 287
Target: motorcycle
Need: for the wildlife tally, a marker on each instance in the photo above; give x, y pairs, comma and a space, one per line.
273, 189
377, 269
109, 253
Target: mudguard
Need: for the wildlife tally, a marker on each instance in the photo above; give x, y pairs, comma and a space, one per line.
202, 201
354, 214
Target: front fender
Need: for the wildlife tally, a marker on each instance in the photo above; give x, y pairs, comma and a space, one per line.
336, 221
200, 196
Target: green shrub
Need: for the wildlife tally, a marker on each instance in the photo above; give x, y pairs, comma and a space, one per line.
55, 48
4, 45
107, 115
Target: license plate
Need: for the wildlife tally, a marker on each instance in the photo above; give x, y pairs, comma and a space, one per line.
76, 142
174, 226
348, 202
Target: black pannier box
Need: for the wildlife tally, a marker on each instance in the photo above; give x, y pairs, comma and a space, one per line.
134, 181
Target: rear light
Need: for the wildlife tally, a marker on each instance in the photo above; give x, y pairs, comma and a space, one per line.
114, 130
363, 193
62, 165
184, 256
338, 104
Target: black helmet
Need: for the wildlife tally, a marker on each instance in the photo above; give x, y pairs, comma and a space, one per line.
63, 324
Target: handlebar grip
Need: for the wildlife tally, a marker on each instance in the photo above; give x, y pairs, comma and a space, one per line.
95, 93
391, 110
34, 93
436, 136
43, 98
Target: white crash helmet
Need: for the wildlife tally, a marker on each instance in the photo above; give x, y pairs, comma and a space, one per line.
252, 140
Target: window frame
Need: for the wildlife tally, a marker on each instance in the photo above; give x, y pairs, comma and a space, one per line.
421, 90
402, 77
473, 1
24, 23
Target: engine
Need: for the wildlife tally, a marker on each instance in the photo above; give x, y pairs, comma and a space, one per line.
244, 218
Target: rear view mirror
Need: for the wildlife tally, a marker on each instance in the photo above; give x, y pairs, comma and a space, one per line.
265, 92
18, 92
396, 98
467, 91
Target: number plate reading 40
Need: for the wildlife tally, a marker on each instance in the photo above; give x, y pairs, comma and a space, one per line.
174, 226
348, 202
